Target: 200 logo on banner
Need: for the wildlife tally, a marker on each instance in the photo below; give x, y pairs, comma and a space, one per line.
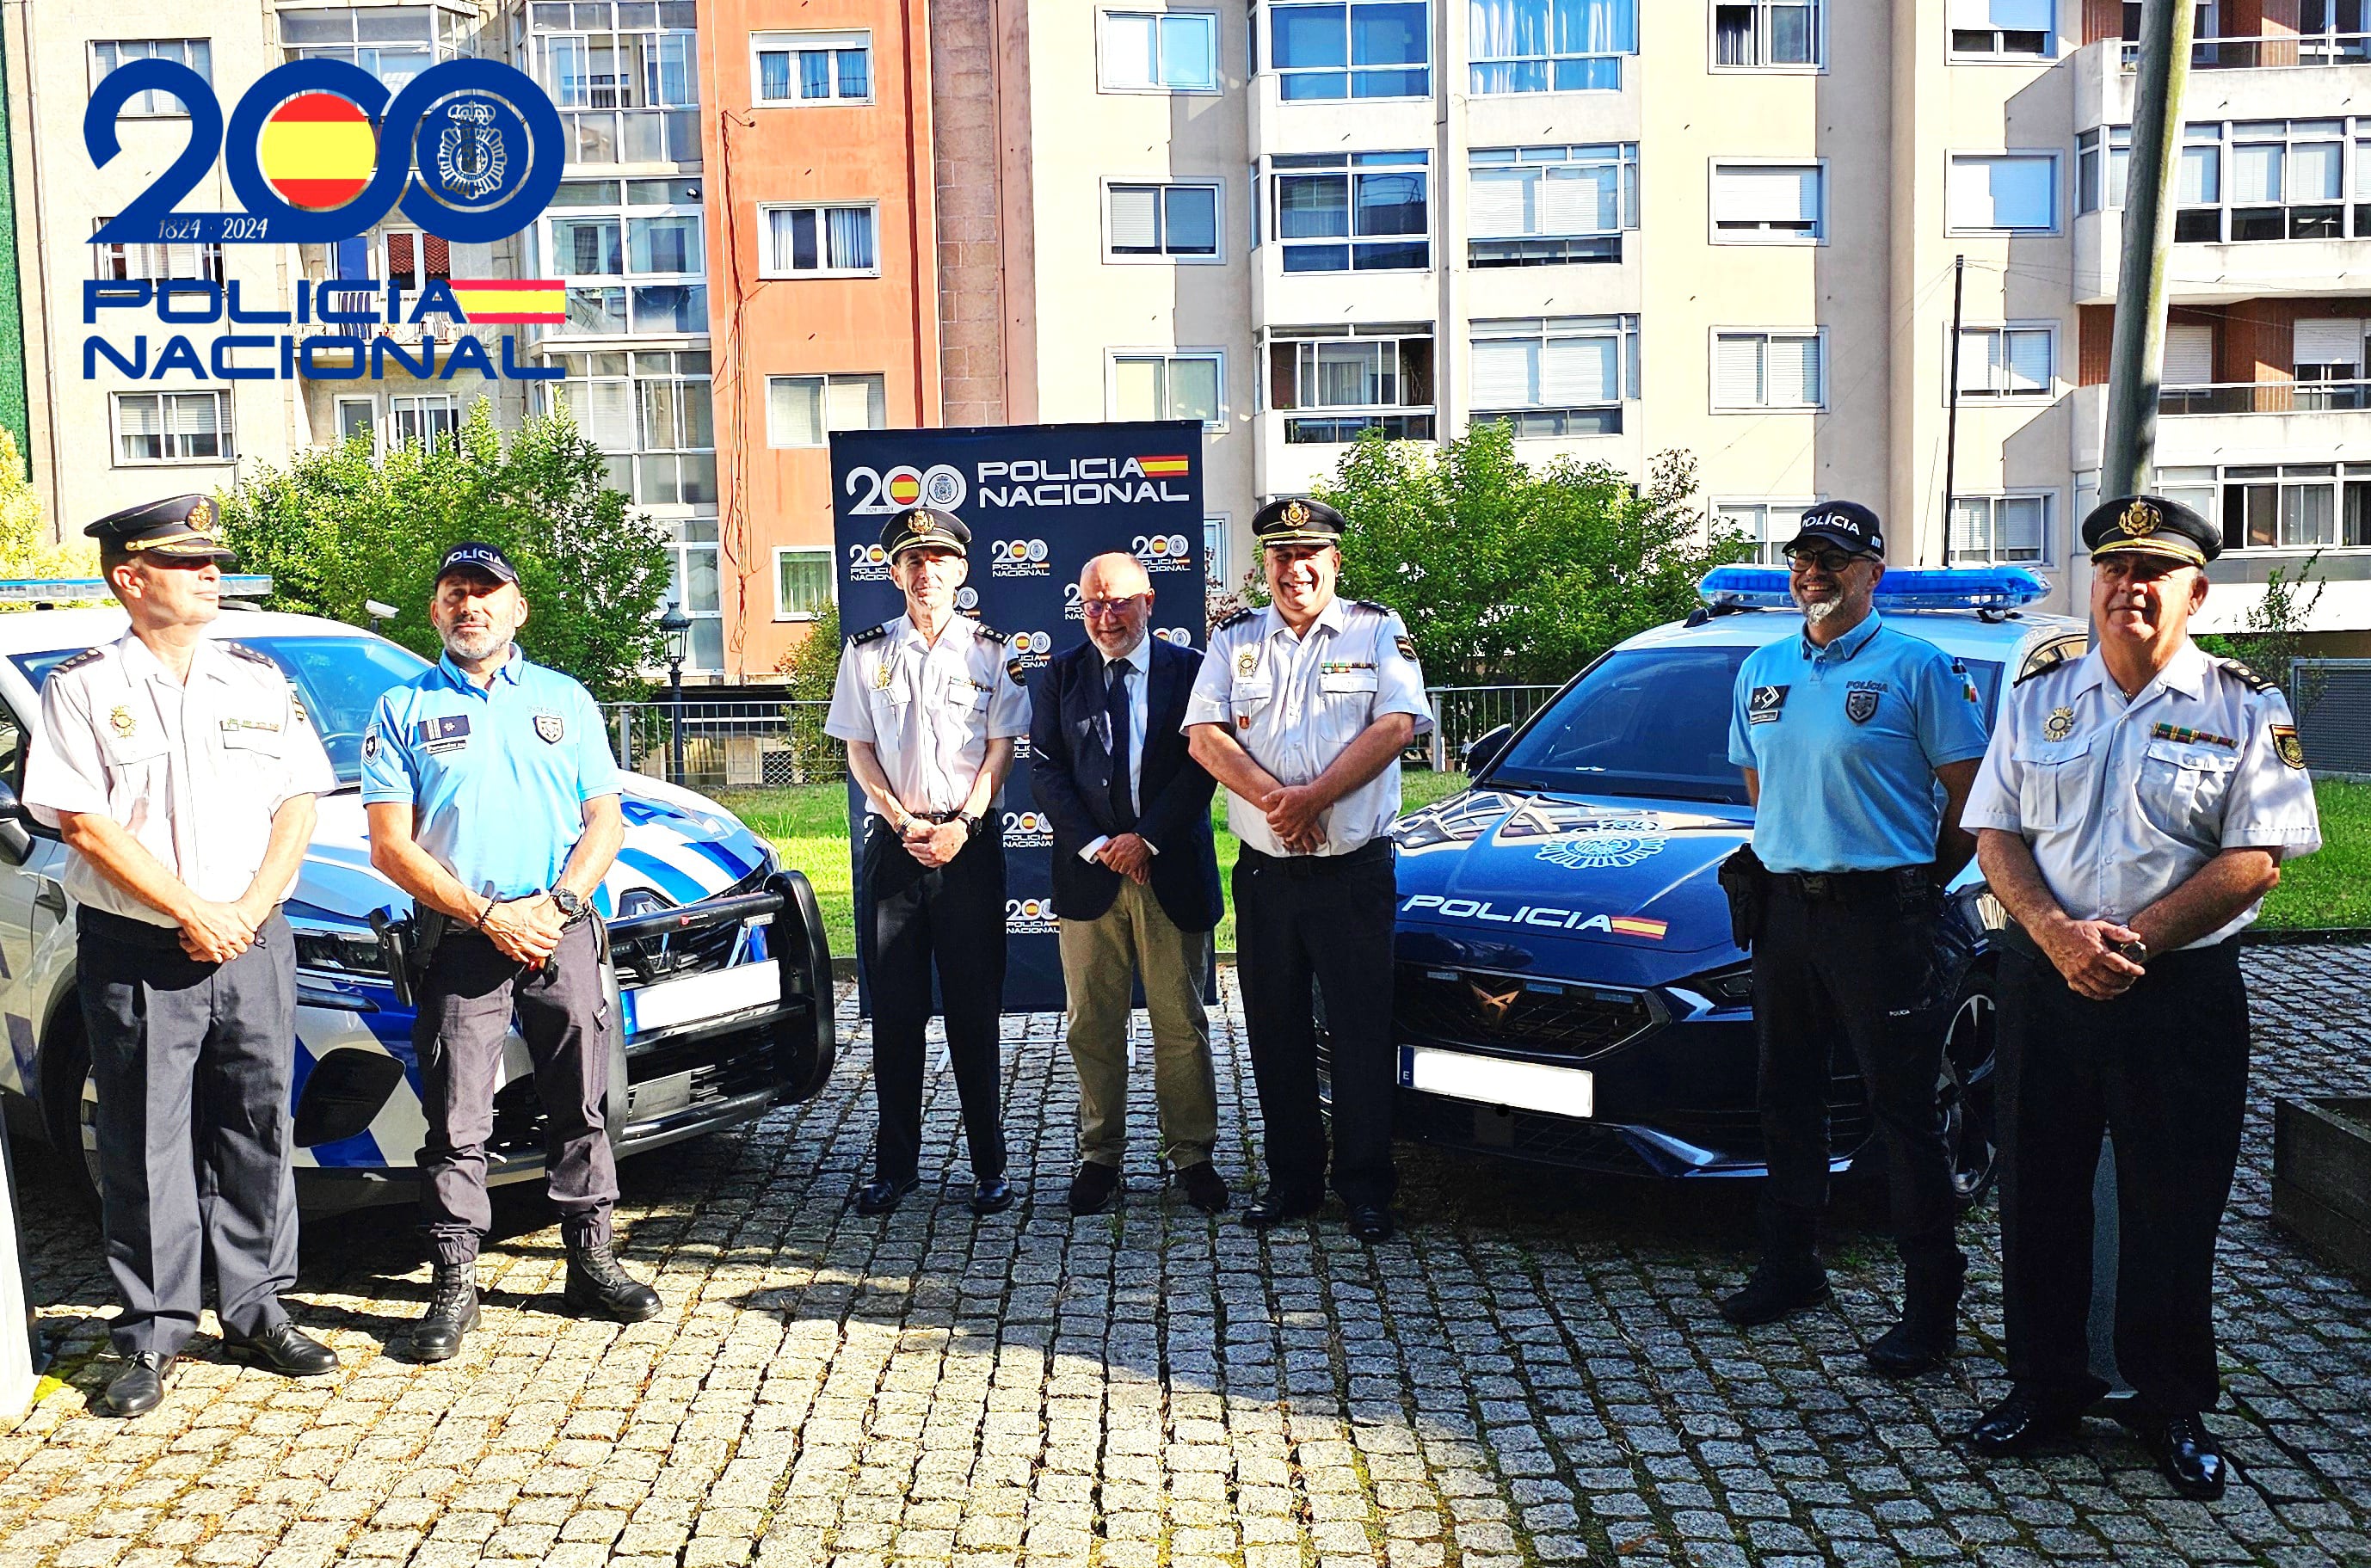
469, 150
938, 485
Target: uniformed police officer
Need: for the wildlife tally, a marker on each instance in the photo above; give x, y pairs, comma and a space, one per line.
493, 802
1842, 733
2133, 812
180, 771
930, 707
1300, 711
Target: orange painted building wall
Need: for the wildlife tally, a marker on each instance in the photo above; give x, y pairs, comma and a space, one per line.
886, 324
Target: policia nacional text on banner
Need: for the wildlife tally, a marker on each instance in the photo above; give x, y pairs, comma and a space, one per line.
1039, 500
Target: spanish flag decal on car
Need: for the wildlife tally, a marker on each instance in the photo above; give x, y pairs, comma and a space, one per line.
1635, 926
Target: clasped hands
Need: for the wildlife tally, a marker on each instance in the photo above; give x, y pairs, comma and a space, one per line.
2085, 952
217, 933
933, 843
1296, 815
526, 930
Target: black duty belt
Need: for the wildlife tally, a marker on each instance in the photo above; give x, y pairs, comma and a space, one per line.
123, 928
1367, 854
1847, 887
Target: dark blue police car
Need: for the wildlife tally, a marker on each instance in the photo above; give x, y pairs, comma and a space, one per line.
1567, 989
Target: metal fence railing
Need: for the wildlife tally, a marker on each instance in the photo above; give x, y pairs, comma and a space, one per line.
2332, 700
763, 745
741, 744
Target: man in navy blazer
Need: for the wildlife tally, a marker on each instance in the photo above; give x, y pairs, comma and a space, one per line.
1135, 878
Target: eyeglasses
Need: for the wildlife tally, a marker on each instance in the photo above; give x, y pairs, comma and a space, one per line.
1093, 607
1826, 560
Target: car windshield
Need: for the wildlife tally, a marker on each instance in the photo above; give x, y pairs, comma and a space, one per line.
1650, 721
339, 678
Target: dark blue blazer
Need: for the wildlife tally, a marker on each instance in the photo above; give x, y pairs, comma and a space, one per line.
1070, 768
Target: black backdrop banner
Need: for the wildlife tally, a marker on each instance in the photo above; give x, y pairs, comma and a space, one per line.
1040, 501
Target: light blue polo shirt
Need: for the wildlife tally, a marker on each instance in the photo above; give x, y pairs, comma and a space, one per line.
1847, 739
498, 775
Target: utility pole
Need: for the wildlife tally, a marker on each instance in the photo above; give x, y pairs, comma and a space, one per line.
2137, 358
1951, 422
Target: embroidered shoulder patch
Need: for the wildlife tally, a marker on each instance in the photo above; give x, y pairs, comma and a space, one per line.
1013, 667
2286, 747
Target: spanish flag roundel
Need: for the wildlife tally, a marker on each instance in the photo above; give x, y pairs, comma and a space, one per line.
317, 151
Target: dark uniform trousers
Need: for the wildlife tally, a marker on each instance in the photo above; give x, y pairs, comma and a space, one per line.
466, 1003
1327, 918
193, 1063
1853, 968
950, 917
2164, 1067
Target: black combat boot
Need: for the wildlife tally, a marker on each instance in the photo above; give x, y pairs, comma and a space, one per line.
452, 1313
596, 1283
1930, 1331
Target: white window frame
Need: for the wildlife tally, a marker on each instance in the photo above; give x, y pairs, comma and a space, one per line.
418, 406
1622, 159
1165, 256
1768, 541
1720, 236
1157, 89
148, 105
1476, 63
141, 257
1215, 552
768, 266
1416, 161
794, 42
338, 407
831, 580
1986, 395
1168, 356
2047, 495
774, 436
1349, 69
626, 279
1621, 329
224, 428
1952, 159
1819, 334
638, 464
1816, 66
1996, 55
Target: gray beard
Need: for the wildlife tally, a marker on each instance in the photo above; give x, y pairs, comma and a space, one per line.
1817, 610
484, 646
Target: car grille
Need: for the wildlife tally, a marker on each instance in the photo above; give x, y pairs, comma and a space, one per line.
1739, 1131
1523, 1135
1476, 1007
668, 954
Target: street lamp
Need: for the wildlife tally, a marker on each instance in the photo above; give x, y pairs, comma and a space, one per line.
677, 628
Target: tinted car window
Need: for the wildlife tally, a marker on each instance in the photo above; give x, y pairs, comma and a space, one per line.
1644, 722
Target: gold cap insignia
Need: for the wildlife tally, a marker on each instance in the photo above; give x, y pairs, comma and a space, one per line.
122, 721
1246, 662
2139, 521
881, 677
1295, 512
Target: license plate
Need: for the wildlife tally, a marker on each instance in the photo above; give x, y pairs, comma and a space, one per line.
1488, 1080
658, 1096
697, 996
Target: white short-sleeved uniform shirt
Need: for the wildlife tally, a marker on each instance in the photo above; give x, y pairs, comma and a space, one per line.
1296, 702
193, 769
2122, 802
929, 709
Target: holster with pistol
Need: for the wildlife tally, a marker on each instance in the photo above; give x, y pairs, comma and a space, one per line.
1746, 881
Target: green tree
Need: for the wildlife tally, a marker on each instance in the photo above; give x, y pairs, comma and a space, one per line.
2275, 635
24, 547
1507, 572
336, 530
814, 668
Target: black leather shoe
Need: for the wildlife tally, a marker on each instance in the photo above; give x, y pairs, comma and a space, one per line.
1093, 1187
452, 1313
1371, 1223
2185, 1451
992, 1195
1778, 1288
140, 1387
1205, 1188
1273, 1208
880, 1195
596, 1283
285, 1349
2027, 1419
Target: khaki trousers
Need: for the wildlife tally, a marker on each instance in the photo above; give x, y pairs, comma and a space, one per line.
1101, 959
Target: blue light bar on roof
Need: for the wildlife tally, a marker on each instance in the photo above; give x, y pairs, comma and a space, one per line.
71, 590
1959, 588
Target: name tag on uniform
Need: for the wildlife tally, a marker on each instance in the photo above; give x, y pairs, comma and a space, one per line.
238, 726
448, 732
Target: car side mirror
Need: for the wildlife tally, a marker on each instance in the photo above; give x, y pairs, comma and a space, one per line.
1484, 749
15, 841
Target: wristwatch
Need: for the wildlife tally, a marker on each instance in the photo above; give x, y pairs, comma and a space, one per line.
971, 821
570, 904
2136, 950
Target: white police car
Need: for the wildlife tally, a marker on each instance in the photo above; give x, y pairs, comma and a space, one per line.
718, 955
1567, 990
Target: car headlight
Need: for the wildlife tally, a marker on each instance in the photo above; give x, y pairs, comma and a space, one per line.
342, 953
1725, 987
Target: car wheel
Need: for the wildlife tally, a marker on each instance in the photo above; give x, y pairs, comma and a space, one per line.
1964, 1093
70, 1107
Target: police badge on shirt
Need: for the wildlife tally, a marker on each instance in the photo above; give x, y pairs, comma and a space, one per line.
550, 726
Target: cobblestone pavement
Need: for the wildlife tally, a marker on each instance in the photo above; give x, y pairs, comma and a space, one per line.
1535, 1374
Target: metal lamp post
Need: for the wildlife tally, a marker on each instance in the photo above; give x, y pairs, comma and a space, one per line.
677, 626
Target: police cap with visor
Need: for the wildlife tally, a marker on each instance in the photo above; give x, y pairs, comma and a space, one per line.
919, 527
1846, 524
180, 529
1296, 521
2150, 524
476, 555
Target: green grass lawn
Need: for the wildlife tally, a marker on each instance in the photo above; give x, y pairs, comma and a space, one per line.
809, 825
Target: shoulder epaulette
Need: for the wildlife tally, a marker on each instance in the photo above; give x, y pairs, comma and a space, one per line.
2059, 660
2245, 676
871, 634
241, 650
991, 634
1371, 604
87, 656
1237, 618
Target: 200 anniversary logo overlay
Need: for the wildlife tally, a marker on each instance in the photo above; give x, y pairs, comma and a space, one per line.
316, 153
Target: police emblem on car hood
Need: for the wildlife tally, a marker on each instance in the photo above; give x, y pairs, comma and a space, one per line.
550, 727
